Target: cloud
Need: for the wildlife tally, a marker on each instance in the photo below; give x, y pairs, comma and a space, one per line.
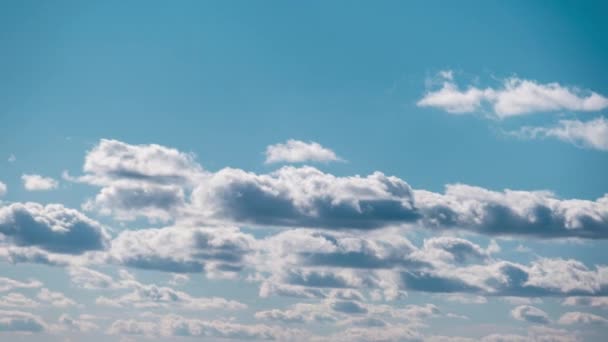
530, 314
589, 134
523, 213
300, 313
601, 302
8, 284
570, 318
74, 324
179, 326
138, 180
305, 197
307, 264
3, 189
18, 300
516, 96
153, 296
12, 158
38, 183
90, 279
18, 321
56, 299
296, 151
216, 250
52, 227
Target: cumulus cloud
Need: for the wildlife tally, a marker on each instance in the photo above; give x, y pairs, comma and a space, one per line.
77, 324
8, 284
309, 264
530, 314
516, 96
219, 251
576, 317
51, 227
588, 134
33, 182
305, 197
53, 298
296, 151
524, 213
19, 321
138, 180
600, 302
18, 300
179, 326
154, 296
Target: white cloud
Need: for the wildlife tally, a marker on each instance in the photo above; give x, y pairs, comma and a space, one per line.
8, 284
588, 134
74, 324
182, 249
515, 97
19, 321
153, 296
56, 299
530, 314
576, 317
601, 302
38, 183
305, 197
3, 189
51, 227
178, 326
18, 300
138, 180
510, 212
296, 151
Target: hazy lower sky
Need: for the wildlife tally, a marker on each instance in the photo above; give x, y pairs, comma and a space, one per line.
303, 171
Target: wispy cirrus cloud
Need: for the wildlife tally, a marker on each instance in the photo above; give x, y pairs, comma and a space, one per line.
515, 96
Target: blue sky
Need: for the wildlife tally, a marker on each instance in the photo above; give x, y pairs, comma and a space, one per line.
301, 171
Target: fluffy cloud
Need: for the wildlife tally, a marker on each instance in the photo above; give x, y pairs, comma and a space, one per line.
74, 324
307, 264
530, 314
300, 313
52, 227
515, 97
218, 250
590, 134
138, 180
18, 321
153, 296
570, 318
306, 197
601, 302
111, 160
8, 284
531, 213
178, 326
56, 299
296, 151
38, 183
17, 300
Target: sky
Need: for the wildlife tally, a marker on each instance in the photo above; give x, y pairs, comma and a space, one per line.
303, 171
